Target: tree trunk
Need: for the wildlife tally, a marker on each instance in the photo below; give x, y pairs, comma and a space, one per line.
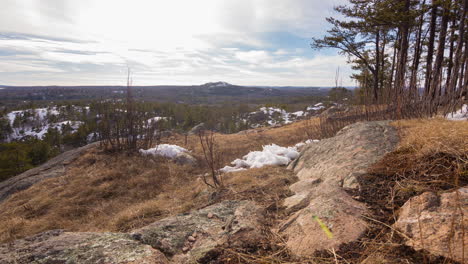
417, 56
450, 57
382, 59
377, 66
463, 83
457, 63
437, 72
430, 47
392, 72
403, 52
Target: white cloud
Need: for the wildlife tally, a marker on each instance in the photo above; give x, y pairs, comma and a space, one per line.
165, 42
253, 56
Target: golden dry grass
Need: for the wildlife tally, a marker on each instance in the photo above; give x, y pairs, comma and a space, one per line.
427, 136
118, 192
101, 192
104, 192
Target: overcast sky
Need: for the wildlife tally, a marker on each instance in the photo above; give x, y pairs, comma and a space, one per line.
244, 42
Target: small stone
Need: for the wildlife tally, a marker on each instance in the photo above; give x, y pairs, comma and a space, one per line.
191, 239
210, 215
185, 249
194, 234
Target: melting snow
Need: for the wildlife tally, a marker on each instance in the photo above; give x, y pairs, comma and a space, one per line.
277, 115
270, 155
39, 113
316, 107
299, 113
270, 111
156, 119
165, 150
39, 132
459, 115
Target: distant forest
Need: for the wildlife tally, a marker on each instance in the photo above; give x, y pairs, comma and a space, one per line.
210, 93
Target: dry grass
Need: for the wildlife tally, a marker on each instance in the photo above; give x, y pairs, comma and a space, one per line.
117, 192
104, 192
101, 192
433, 135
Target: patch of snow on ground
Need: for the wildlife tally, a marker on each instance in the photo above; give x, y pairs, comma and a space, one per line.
459, 115
270, 155
165, 150
299, 113
39, 113
316, 107
301, 144
39, 132
156, 119
284, 115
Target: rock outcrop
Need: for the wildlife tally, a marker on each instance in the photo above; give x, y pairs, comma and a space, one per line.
53, 168
436, 223
325, 169
191, 237
184, 158
59, 247
186, 238
197, 129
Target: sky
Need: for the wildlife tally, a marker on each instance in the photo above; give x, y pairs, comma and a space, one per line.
179, 42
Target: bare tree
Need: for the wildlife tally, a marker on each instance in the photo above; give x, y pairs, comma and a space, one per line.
212, 157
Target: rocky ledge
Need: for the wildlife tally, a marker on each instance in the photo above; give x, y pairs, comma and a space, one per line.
186, 238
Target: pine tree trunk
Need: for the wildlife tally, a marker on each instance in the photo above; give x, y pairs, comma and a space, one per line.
437, 72
457, 63
392, 72
403, 53
430, 48
450, 57
463, 83
417, 56
377, 66
382, 59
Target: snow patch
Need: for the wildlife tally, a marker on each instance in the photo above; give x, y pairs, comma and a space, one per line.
164, 150
39, 132
299, 113
459, 115
316, 107
270, 155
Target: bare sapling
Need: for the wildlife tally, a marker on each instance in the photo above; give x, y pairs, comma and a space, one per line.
212, 157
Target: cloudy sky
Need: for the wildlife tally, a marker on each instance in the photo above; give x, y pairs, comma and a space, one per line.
245, 42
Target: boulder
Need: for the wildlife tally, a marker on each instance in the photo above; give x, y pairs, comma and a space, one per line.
437, 223
334, 111
53, 168
325, 169
348, 154
333, 207
197, 129
58, 247
189, 238
184, 158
